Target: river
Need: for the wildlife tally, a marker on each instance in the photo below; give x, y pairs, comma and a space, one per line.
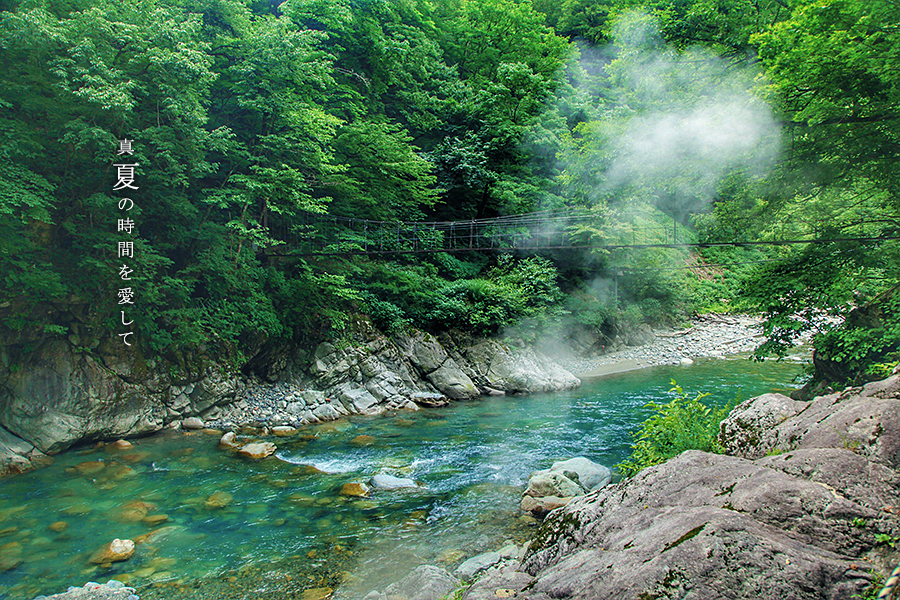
224, 527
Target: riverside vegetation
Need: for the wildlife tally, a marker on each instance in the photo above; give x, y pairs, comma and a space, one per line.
697, 121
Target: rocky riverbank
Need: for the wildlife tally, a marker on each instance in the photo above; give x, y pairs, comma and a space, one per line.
65, 397
804, 505
709, 335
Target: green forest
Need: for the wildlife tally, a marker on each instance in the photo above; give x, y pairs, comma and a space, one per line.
693, 121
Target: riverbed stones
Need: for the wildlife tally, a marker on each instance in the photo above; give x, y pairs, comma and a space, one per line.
111, 590
257, 450
58, 526
90, 467
389, 482
218, 499
322, 593
115, 551
363, 440
477, 564
192, 423
354, 489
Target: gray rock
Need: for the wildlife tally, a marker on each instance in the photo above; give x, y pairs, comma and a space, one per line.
192, 423
358, 400
113, 590
424, 583
512, 583
869, 426
17, 455
423, 350
702, 523
540, 507
326, 412
591, 476
748, 430
389, 482
61, 397
477, 564
491, 364
450, 380
550, 483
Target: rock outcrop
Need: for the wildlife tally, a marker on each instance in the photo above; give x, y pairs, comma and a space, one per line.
61, 394
801, 510
371, 373
59, 397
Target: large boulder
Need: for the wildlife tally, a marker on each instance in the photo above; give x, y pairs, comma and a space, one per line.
749, 430
705, 524
868, 425
590, 475
431, 359
494, 365
17, 455
803, 513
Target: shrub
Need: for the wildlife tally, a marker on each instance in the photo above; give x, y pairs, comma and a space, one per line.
682, 424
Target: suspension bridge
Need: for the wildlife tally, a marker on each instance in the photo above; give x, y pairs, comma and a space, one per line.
311, 234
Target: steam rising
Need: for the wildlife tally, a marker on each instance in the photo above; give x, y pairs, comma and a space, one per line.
694, 118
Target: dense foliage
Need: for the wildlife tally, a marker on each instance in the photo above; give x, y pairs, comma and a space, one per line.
685, 423
668, 121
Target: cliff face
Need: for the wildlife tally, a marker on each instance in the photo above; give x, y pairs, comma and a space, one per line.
805, 506
57, 395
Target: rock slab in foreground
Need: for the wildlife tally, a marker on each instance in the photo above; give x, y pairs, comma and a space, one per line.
800, 521
425, 582
111, 590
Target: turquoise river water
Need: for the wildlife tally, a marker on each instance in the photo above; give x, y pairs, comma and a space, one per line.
222, 527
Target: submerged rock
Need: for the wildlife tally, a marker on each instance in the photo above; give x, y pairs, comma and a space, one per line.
354, 489
363, 440
257, 450
115, 551
218, 499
